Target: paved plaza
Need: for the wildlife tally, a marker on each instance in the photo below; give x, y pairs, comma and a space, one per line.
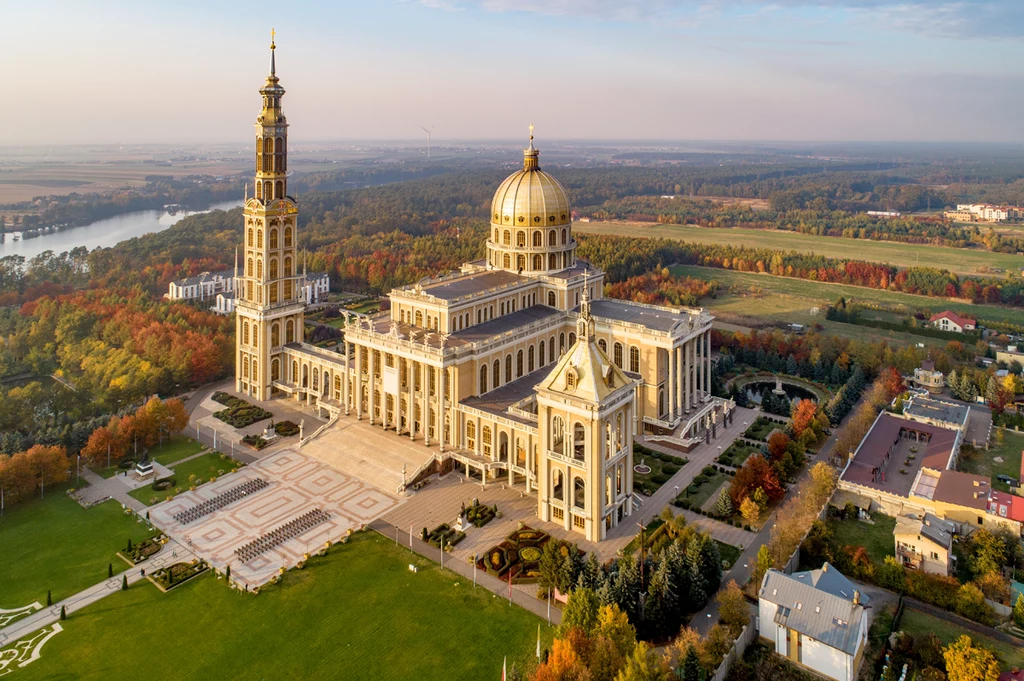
296, 485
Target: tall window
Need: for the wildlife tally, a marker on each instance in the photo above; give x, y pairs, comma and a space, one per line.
250, 238
558, 435
529, 360
483, 379
538, 239
508, 368
519, 364
496, 374
617, 354
487, 440
273, 238
287, 237
541, 353
520, 239
551, 299
471, 435
579, 441
604, 346
634, 359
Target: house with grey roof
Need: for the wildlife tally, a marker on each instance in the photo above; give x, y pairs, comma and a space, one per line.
816, 619
924, 543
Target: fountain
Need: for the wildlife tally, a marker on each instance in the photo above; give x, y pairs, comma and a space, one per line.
642, 468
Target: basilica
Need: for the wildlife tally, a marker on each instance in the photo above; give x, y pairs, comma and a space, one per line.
514, 368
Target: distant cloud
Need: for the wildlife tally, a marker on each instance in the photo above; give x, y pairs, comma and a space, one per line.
939, 18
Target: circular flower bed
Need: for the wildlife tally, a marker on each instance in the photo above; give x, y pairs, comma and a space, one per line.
529, 554
642, 469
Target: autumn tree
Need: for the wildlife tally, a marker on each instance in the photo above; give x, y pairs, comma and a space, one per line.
804, 413
968, 662
732, 607
755, 472
645, 665
580, 611
16, 477
49, 465
563, 664
750, 510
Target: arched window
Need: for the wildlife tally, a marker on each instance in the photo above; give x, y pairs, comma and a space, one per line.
634, 359
483, 378
316, 378
520, 239
248, 268
603, 345
557, 486
255, 370
255, 336
618, 431
471, 435
287, 266
279, 189
259, 269
275, 335
529, 360
552, 238
506, 261
551, 350
564, 237
520, 262
275, 370
486, 436
245, 367
259, 238
289, 332
273, 268
552, 301
519, 364
245, 333
250, 237
538, 239
495, 235
617, 354
538, 262
507, 238
579, 441
508, 368
661, 401
558, 435
572, 339
541, 353
259, 190
287, 237
552, 262
608, 440
579, 496
570, 380
273, 238
419, 318
496, 374
501, 307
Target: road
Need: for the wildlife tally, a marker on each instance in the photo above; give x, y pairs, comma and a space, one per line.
744, 567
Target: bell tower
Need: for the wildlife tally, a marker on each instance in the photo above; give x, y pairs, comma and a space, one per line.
269, 304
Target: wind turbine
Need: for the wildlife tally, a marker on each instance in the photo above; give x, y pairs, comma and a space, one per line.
428, 137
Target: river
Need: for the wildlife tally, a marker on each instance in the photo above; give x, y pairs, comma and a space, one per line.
105, 232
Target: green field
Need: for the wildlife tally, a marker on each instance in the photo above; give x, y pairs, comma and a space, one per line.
175, 449
53, 543
358, 613
959, 260
816, 293
920, 624
981, 462
877, 539
203, 467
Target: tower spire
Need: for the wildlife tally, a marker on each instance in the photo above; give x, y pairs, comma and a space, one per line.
273, 47
531, 159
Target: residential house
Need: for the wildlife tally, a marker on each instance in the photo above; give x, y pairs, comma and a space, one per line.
948, 320
924, 543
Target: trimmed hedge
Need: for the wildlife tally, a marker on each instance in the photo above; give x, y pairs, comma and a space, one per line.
286, 428
239, 413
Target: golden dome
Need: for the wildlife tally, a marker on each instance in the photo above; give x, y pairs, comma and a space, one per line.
530, 197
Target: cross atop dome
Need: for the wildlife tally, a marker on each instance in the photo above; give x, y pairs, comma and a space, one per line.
531, 157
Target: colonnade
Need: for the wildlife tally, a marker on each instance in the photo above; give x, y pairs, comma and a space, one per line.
689, 374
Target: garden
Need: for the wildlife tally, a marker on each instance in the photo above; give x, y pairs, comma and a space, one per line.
139, 551
736, 453
662, 467
1006, 446
517, 558
187, 474
443, 535
353, 594
761, 428
178, 573
239, 413
701, 489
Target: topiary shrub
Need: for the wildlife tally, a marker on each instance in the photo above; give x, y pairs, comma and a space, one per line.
659, 478
708, 470
670, 469
692, 489
700, 480
163, 484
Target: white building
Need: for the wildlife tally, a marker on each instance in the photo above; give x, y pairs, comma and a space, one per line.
816, 619
315, 288
225, 303
924, 544
201, 286
948, 320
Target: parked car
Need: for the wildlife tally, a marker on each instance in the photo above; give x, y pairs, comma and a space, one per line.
1012, 482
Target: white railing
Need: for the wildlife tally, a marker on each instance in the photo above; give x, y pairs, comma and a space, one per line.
319, 430
438, 458
522, 413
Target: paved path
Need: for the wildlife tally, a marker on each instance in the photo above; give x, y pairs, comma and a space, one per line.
521, 598
747, 562
51, 614
108, 488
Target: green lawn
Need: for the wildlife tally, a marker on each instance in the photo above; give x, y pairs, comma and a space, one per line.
358, 613
877, 538
650, 482
981, 462
728, 552
919, 624
820, 294
761, 429
175, 449
203, 467
959, 260
53, 543
738, 452
705, 491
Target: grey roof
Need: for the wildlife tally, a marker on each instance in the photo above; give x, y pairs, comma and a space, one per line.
814, 612
204, 276
925, 406
500, 399
934, 528
831, 580
576, 270
656, 318
508, 322
472, 283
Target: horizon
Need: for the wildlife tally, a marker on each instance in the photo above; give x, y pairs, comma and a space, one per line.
733, 70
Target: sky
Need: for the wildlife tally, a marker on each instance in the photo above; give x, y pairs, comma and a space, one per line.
145, 71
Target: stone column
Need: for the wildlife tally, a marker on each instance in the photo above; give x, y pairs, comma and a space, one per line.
707, 373
410, 405
371, 393
680, 405
686, 376
479, 441
425, 402
440, 401
567, 499
344, 389
700, 368
671, 383
359, 382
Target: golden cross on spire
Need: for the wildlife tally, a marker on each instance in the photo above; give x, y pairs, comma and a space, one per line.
273, 34
531, 131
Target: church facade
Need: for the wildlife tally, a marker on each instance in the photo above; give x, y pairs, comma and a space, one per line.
515, 368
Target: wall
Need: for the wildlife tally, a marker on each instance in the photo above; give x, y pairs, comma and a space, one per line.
825, 659
739, 646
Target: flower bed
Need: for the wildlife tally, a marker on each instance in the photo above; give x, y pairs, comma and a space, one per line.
239, 413
255, 441
518, 556
163, 484
663, 467
443, 534
173, 575
761, 428
286, 428
142, 550
479, 514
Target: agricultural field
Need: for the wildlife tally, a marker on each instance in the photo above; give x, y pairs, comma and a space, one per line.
331, 619
960, 260
767, 294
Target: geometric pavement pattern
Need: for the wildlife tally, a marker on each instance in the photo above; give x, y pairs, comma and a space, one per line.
27, 650
297, 484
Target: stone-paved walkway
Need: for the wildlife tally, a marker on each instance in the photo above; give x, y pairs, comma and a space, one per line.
116, 487
51, 614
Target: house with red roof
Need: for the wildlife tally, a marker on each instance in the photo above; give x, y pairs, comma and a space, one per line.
951, 321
